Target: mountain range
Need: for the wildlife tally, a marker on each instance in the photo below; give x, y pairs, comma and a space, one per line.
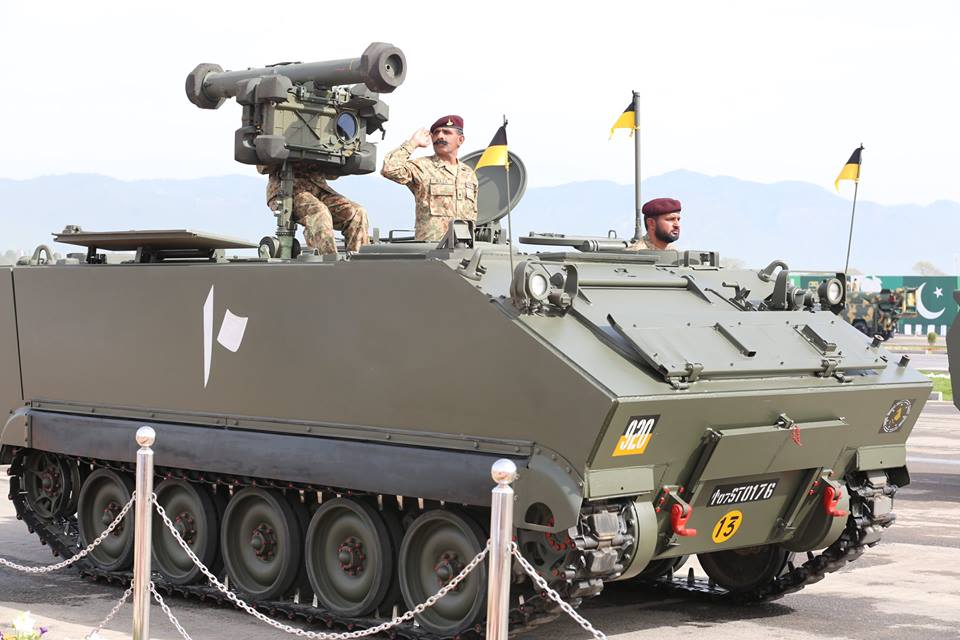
803, 224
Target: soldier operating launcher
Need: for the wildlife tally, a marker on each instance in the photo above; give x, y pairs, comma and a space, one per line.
300, 113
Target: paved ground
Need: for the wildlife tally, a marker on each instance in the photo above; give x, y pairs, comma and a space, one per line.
907, 587
915, 342
921, 356
929, 361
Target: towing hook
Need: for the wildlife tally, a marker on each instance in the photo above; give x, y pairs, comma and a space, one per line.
679, 515
831, 498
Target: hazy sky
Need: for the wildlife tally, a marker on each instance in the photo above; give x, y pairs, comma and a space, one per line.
763, 90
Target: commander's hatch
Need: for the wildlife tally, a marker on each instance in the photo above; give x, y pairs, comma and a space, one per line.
152, 245
727, 343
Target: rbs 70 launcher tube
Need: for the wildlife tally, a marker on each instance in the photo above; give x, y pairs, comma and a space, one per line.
382, 68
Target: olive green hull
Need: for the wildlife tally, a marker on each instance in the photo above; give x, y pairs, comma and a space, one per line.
752, 448
370, 361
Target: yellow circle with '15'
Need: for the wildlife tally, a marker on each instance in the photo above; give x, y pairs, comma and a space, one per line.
727, 526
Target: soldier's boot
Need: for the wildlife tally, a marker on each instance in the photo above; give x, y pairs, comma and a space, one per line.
356, 230
317, 223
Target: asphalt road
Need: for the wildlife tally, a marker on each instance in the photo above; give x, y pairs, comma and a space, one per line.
928, 361
906, 587
920, 356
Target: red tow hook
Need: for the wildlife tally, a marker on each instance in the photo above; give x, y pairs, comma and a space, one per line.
679, 520
831, 498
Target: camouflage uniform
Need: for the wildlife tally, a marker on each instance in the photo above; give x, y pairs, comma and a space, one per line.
320, 210
443, 192
646, 243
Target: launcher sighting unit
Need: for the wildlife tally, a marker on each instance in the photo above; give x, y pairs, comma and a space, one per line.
296, 112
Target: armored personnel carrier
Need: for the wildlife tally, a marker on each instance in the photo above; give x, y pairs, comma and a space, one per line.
325, 427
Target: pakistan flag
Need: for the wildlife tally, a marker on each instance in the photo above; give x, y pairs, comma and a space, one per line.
936, 307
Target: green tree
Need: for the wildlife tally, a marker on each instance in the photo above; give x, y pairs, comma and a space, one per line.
925, 268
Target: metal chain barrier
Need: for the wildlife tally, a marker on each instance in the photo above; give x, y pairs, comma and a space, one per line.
173, 619
82, 554
503, 472
113, 612
316, 635
556, 597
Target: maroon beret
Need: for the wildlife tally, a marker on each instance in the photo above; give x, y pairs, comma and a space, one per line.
660, 206
455, 122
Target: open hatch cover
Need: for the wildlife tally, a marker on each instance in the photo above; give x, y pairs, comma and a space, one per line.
150, 239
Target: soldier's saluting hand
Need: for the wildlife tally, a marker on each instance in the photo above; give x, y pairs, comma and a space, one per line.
444, 188
421, 137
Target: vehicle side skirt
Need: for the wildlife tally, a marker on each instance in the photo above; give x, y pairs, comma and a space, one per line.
454, 476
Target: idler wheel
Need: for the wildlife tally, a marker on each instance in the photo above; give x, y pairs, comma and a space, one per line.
48, 485
102, 497
739, 570
436, 547
261, 542
350, 557
194, 514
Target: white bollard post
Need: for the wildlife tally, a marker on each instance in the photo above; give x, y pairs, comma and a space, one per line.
143, 521
504, 472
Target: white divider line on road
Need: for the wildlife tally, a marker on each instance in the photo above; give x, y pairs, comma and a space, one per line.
946, 461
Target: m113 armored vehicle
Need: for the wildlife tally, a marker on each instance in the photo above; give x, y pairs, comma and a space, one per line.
326, 427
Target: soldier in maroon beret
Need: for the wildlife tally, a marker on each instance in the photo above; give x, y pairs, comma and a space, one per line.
455, 122
443, 188
661, 218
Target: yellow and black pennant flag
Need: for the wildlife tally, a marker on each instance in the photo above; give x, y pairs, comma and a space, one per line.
851, 170
627, 120
495, 155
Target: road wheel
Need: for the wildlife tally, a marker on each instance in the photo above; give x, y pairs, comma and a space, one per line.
740, 570
436, 547
194, 514
350, 557
261, 543
51, 485
103, 495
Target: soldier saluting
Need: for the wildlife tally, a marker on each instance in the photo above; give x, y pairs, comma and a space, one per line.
444, 188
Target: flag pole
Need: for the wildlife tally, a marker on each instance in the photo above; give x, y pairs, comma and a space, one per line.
853, 212
506, 166
638, 225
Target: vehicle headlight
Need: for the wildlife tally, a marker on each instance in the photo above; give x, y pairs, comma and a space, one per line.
538, 286
831, 291
532, 285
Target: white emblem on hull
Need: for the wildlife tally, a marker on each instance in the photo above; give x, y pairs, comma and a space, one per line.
207, 336
230, 335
